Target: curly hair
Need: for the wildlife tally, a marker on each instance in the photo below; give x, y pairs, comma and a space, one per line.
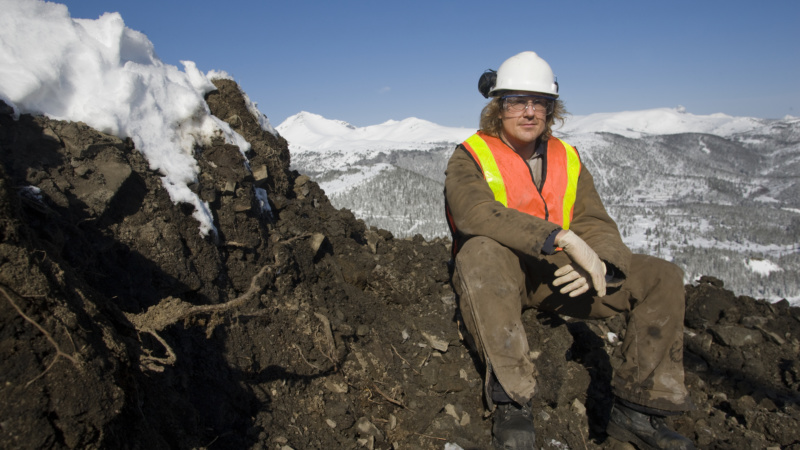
492, 117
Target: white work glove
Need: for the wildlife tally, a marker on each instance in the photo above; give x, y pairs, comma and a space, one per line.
591, 267
578, 279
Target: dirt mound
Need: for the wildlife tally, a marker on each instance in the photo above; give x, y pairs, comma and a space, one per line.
123, 327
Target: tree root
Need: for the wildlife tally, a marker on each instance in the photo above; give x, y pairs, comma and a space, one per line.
313, 366
330, 353
59, 352
389, 399
405, 361
171, 310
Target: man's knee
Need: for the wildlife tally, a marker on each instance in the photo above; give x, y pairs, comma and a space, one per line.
657, 282
657, 271
481, 244
484, 255
669, 273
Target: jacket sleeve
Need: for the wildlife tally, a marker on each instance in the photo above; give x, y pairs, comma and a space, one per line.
476, 213
592, 223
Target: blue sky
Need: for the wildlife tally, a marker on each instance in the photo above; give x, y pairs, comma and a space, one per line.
366, 62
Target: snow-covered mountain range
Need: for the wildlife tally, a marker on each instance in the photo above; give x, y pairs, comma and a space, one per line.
311, 132
720, 195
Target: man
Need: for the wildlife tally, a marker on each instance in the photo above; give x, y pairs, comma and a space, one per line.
530, 231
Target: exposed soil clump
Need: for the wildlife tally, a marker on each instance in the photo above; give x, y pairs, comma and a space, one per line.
299, 327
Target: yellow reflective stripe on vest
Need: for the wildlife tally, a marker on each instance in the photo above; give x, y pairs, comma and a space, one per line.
490, 170
573, 171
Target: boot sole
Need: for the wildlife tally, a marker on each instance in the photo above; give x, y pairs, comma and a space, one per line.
621, 434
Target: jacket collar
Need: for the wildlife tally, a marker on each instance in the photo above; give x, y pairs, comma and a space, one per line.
541, 147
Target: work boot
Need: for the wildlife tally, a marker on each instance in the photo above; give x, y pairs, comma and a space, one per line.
647, 432
512, 427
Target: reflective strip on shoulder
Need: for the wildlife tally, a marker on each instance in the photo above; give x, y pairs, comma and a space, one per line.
573, 171
489, 165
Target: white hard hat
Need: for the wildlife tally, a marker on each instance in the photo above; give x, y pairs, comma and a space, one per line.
526, 71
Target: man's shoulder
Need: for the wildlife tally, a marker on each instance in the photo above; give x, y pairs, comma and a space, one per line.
563, 142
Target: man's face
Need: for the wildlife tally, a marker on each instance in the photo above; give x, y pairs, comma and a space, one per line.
522, 128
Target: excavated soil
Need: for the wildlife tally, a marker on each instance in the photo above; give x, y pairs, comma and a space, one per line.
125, 328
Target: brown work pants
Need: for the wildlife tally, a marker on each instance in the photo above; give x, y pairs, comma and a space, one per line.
495, 284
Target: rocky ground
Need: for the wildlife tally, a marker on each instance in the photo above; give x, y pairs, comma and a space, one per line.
123, 327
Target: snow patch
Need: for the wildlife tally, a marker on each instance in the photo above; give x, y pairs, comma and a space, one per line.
762, 267
356, 176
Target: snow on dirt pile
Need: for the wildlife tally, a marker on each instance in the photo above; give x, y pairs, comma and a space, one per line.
108, 76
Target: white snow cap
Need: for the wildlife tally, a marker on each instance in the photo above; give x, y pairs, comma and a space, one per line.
108, 76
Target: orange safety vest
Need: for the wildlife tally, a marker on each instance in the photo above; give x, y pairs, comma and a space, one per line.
511, 181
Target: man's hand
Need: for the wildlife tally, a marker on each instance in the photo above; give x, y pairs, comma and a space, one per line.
584, 258
577, 278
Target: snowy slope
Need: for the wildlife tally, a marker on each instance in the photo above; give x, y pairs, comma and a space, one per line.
663, 121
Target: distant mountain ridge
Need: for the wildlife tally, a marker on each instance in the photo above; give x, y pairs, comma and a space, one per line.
311, 132
308, 131
717, 194
670, 121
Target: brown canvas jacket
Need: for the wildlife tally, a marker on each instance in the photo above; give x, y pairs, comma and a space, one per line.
476, 213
